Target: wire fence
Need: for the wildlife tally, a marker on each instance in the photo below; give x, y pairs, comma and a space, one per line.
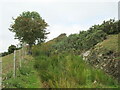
11, 63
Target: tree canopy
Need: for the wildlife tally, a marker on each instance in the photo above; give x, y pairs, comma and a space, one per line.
29, 27
11, 49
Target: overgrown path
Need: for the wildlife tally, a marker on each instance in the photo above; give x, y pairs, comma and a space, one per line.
33, 77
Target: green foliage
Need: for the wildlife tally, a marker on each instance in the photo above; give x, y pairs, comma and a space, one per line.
11, 49
69, 71
62, 68
26, 76
80, 42
29, 27
25, 70
109, 27
47, 48
4, 54
14, 83
9, 75
59, 65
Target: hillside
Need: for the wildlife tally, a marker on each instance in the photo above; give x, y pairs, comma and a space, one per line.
26, 75
60, 69
89, 59
57, 70
105, 55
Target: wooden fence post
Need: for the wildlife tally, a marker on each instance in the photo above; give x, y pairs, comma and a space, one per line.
22, 53
20, 57
14, 68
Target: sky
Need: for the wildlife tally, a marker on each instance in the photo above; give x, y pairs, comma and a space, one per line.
63, 16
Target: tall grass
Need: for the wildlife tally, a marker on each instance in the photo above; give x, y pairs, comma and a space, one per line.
26, 76
67, 70
70, 71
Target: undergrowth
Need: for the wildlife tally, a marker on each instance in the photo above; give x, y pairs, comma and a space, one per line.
70, 71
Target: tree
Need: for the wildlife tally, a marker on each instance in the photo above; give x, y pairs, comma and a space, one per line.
11, 49
4, 54
29, 27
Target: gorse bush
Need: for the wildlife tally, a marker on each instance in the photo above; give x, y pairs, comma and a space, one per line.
87, 39
80, 42
109, 27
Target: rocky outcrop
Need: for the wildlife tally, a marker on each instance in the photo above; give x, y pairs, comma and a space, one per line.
85, 55
108, 61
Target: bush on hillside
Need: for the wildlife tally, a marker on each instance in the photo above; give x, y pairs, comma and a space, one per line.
80, 42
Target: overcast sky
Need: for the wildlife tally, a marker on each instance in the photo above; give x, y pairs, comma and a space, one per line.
63, 16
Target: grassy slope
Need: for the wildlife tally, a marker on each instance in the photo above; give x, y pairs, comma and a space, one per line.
64, 70
26, 78
69, 71
111, 43
7, 63
109, 48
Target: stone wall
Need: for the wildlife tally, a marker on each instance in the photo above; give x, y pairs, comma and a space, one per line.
107, 61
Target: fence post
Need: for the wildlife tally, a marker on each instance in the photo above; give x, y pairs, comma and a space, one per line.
22, 53
14, 68
0, 72
20, 57
25, 50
